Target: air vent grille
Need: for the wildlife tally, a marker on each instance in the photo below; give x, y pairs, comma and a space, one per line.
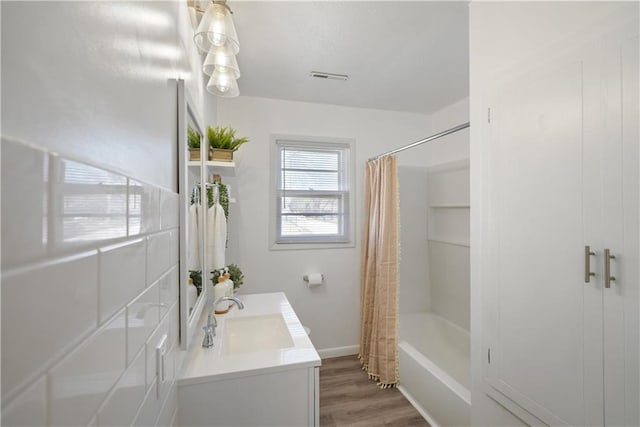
333, 76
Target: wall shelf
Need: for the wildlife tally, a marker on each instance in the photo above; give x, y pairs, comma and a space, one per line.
221, 168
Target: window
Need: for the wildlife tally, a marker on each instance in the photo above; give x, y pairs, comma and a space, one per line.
312, 192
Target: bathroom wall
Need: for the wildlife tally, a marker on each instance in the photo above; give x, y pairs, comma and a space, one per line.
89, 288
95, 80
89, 208
330, 310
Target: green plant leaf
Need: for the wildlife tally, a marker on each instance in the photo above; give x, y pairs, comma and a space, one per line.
224, 138
193, 138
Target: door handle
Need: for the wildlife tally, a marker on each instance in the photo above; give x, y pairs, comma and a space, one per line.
588, 253
608, 278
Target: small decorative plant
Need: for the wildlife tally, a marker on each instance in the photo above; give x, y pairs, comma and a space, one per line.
225, 139
193, 142
235, 273
193, 138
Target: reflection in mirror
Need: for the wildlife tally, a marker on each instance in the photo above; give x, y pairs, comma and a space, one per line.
192, 210
195, 213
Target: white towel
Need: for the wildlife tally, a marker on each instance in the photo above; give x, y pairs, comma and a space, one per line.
193, 245
216, 236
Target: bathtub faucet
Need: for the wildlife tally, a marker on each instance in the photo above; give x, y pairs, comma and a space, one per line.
212, 323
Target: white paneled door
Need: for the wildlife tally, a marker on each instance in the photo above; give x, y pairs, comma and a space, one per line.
563, 175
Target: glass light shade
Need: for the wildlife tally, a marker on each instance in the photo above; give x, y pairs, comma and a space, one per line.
223, 84
220, 61
216, 30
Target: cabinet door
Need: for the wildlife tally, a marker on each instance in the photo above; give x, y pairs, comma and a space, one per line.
536, 240
620, 231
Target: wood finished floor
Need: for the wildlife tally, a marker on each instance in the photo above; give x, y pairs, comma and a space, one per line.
349, 398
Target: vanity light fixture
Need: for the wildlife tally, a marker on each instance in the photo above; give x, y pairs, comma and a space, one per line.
216, 29
216, 35
222, 60
223, 84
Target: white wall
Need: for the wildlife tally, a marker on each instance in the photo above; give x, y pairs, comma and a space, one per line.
452, 147
330, 310
94, 82
503, 34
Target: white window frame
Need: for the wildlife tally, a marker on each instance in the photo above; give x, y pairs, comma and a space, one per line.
275, 243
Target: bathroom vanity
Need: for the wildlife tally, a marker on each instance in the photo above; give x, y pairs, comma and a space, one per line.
262, 369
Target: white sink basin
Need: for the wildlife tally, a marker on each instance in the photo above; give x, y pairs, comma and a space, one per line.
256, 333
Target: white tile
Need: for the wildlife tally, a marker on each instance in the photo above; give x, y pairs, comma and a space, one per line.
88, 204
142, 318
29, 408
80, 383
122, 406
24, 203
144, 208
168, 290
175, 246
62, 297
158, 255
169, 210
174, 325
149, 410
122, 275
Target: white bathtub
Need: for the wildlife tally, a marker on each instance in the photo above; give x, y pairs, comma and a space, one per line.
434, 368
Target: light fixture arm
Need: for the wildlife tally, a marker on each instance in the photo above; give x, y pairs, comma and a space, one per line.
201, 11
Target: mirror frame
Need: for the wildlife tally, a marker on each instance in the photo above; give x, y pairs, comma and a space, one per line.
187, 114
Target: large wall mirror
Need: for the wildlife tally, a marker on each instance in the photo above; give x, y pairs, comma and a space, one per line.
193, 205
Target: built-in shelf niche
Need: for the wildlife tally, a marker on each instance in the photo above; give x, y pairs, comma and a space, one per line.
449, 207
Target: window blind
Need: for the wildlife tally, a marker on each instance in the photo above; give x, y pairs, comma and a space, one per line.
312, 192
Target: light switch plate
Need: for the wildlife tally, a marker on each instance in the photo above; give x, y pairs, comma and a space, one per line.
161, 369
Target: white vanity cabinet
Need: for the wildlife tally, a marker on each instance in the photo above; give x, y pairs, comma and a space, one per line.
562, 169
285, 398
262, 370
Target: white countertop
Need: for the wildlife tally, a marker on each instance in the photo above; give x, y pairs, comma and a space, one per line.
211, 364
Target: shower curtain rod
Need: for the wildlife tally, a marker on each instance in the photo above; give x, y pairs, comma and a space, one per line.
422, 141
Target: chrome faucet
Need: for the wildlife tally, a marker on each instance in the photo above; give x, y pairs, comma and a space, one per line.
212, 323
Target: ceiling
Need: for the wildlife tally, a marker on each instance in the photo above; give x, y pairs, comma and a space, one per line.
408, 56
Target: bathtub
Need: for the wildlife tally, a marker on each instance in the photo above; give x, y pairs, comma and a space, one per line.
434, 368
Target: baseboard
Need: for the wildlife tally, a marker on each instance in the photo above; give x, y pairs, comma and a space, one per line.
326, 353
418, 407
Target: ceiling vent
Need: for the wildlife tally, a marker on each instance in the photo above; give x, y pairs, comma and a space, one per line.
321, 75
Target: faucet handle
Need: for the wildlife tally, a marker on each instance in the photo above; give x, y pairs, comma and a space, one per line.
209, 333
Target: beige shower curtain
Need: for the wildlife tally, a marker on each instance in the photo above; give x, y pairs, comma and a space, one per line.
379, 274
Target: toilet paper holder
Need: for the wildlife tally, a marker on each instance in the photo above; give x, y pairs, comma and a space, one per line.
306, 278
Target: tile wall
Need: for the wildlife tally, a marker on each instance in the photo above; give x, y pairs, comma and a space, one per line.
89, 288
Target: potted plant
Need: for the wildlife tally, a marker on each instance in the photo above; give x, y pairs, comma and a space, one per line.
223, 142
193, 142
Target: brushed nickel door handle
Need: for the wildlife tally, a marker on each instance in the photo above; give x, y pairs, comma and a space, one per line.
588, 253
608, 278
